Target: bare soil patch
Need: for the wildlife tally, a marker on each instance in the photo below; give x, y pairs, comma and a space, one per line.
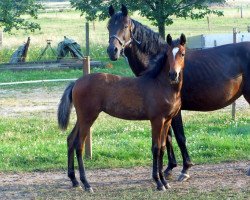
44, 102
53, 185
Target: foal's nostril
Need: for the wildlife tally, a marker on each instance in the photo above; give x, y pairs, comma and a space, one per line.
173, 76
115, 50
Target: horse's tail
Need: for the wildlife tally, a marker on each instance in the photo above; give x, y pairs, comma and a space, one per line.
64, 107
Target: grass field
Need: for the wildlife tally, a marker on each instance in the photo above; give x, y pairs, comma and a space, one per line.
35, 143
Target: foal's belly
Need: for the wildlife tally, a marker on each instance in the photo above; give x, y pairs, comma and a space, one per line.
213, 96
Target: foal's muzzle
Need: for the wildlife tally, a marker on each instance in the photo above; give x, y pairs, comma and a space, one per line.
173, 76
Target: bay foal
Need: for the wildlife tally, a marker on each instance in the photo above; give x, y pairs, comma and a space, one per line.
154, 96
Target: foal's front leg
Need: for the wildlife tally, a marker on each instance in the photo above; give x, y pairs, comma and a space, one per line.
157, 127
162, 151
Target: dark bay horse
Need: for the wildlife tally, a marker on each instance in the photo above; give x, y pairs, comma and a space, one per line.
213, 78
156, 97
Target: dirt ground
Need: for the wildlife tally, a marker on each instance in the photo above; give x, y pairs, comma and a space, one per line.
204, 178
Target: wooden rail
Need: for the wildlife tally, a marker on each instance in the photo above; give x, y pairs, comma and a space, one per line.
50, 65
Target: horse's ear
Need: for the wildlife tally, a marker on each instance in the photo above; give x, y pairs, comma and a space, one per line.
111, 10
169, 40
124, 10
183, 39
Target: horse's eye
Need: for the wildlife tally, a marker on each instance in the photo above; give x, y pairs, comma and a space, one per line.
126, 26
183, 54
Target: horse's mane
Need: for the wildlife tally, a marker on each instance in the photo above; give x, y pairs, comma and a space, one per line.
150, 41
156, 65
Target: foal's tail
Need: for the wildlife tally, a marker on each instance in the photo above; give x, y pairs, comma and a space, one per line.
64, 107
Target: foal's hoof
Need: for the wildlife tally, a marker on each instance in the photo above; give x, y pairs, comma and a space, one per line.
161, 188
183, 177
90, 190
167, 186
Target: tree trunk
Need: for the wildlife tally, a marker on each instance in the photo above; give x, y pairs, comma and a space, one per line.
161, 28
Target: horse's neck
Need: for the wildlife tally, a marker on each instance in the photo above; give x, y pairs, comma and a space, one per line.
137, 60
138, 55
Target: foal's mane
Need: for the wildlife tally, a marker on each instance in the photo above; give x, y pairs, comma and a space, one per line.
156, 65
150, 41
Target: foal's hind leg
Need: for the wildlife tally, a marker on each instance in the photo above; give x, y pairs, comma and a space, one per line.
71, 143
84, 131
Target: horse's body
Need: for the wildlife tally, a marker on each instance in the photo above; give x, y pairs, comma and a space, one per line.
213, 78
155, 96
216, 77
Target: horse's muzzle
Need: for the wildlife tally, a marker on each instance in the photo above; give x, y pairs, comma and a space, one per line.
113, 52
174, 78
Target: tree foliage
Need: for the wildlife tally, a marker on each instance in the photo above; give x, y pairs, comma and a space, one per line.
159, 12
12, 11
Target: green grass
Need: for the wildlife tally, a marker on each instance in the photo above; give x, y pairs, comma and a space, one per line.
35, 143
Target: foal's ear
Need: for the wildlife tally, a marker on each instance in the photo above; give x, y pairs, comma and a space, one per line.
111, 10
183, 39
169, 40
124, 10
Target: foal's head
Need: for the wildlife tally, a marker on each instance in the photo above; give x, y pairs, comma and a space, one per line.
176, 54
120, 32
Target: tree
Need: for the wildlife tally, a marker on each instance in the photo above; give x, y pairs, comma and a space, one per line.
159, 12
12, 11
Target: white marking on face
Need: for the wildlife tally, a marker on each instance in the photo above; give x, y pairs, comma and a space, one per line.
174, 51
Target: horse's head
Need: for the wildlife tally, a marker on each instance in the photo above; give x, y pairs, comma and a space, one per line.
176, 54
120, 30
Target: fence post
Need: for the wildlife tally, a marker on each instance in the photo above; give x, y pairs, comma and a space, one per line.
88, 142
208, 23
87, 39
1, 38
241, 11
234, 103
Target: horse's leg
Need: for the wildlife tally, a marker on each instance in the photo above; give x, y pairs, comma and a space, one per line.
71, 143
246, 91
163, 148
157, 126
171, 157
177, 126
84, 131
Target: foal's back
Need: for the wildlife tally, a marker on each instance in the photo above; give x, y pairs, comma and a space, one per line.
118, 96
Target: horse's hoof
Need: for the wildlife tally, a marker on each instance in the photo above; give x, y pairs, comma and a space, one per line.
183, 177
78, 188
248, 172
90, 190
161, 188
168, 175
75, 183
